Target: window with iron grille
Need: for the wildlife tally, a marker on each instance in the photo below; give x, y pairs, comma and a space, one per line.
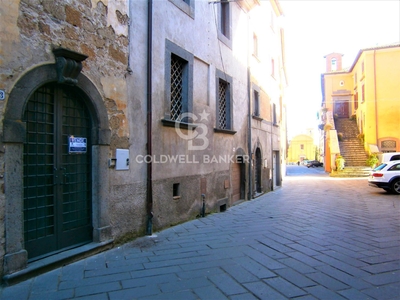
178, 84
388, 146
222, 105
177, 66
223, 109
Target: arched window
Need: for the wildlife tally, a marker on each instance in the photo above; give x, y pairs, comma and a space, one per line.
333, 64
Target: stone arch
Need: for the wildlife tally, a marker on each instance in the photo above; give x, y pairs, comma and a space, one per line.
13, 127
14, 132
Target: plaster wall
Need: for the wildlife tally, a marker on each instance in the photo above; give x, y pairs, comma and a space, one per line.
192, 165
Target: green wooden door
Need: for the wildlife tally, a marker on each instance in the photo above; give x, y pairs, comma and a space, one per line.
57, 180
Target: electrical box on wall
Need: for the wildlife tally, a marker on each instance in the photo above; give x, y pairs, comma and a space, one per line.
122, 159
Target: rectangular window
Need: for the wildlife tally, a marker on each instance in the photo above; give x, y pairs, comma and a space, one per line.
256, 104
362, 94
223, 108
274, 120
176, 191
224, 19
187, 6
224, 22
255, 45
222, 104
301, 146
178, 87
388, 146
273, 67
362, 68
355, 100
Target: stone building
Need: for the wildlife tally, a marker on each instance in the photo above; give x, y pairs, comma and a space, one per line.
120, 118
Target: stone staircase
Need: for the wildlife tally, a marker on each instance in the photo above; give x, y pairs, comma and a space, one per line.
351, 149
352, 172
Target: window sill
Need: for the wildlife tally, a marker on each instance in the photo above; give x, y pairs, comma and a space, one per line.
176, 197
258, 118
227, 131
182, 125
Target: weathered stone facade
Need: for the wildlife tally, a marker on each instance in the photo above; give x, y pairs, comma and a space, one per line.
31, 30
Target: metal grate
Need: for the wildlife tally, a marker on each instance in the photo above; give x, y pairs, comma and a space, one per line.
222, 105
57, 184
389, 144
77, 175
39, 190
177, 65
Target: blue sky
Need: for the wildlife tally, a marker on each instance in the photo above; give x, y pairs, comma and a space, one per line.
314, 28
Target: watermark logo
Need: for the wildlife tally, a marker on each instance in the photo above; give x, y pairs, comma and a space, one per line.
196, 140
192, 136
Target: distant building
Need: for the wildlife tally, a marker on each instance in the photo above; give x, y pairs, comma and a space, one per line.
367, 92
301, 147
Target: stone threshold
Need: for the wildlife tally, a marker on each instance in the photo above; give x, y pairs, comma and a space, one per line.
55, 261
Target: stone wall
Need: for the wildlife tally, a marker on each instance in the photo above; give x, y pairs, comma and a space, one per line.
35, 27
31, 29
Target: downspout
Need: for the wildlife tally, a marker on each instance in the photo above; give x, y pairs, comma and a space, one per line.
149, 188
250, 192
272, 147
376, 102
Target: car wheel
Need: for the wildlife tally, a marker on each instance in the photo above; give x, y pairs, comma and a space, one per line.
396, 186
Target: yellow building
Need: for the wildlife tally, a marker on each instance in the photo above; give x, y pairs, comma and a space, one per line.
369, 92
301, 147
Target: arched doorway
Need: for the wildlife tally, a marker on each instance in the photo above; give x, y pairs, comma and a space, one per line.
57, 177
20, 119
258, 166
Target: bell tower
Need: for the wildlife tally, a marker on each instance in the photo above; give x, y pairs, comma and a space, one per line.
333, 62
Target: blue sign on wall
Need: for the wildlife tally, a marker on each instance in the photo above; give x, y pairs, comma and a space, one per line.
77, 144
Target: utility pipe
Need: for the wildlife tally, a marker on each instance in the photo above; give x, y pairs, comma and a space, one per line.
376, 102
149, 190
250, 192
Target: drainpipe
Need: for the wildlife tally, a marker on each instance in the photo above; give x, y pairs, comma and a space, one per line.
149, 193
250, 193
376, 102
272, 147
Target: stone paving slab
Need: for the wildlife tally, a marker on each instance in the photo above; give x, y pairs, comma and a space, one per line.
315, 238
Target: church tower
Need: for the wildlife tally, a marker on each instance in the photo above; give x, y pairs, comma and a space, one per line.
333, 62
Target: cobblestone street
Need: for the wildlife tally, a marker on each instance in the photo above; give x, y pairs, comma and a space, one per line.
315, 238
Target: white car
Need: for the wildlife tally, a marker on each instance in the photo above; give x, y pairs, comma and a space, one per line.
386, 176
